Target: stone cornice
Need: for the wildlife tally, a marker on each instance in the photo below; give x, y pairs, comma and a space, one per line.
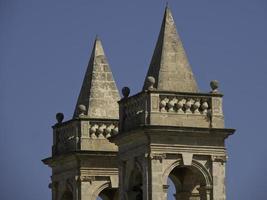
58, 158
84, 118
225, 132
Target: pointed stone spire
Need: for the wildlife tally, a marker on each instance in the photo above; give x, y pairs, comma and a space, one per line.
169, 65
99, 94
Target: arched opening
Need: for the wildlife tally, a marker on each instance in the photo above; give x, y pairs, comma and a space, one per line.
135, 187
171, 190
187, 183
108, 194
67, 195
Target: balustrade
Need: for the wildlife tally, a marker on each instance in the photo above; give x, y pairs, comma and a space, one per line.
171, 109
182, 104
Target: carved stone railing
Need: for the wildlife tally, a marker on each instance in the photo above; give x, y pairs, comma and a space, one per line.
171, 109
184, 104
83, 134
65, 138
132, 111
102, 129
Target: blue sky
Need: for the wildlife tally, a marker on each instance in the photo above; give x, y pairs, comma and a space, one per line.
45, 47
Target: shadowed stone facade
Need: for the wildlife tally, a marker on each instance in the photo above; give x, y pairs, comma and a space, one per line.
84, 162
128, 148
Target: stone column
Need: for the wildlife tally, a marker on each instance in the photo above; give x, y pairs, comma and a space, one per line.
86, 193
145, 164
84, 188
77, 188
165, 191
218, 173
54, 187
121, 188
155, 171
205, 192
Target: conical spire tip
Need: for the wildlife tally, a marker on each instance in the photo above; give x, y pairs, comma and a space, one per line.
169, 65
167, 5
97, 37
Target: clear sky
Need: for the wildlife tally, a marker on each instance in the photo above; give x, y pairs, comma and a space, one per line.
45, 47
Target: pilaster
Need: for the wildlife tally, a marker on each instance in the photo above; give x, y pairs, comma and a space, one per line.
155, 171
218, 173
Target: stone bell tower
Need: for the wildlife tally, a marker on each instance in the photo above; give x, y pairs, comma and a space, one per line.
171, 130
83, 161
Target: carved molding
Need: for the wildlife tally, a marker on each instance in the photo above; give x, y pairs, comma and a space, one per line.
165, 188
221, 159
156, 156
87, 179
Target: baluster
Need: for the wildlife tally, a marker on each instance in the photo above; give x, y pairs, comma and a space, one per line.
93, 131
196, 106
101, 130
163, 104
115, 131
180, 105
188, 105
108, 130
171, 105
205, 107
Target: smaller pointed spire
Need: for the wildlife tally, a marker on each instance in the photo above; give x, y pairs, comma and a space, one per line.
169, 65
99, 94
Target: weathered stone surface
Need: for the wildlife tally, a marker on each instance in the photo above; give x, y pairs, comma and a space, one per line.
168, 130
84, 162
99, 93
169, 65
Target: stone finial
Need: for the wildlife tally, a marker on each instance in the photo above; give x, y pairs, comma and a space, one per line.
82, 109
125, 92
59, 117
150, 82
214, 86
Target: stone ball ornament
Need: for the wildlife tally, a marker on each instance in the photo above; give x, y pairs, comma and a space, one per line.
82, 109
125, 92
214, 84
60, 117
151, 81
